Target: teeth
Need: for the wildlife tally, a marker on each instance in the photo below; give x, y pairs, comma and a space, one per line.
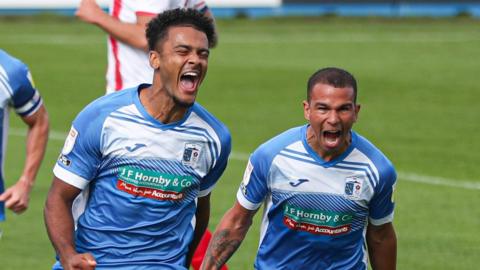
190, 73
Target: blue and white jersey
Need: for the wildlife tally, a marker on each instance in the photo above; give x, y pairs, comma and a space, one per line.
143, 179
315, 212
16, 91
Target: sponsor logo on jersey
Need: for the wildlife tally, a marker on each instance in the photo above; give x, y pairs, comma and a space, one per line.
153, 185
353, 187
64, 160
135, 147
298, 182
246, 177
70, 141
191, 154
316, 221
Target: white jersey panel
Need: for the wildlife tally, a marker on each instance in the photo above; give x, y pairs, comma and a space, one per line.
320, 207
144, 178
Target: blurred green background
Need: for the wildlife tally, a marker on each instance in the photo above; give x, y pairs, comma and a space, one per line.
418, 86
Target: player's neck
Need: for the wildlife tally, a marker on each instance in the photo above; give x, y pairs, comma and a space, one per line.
161, 106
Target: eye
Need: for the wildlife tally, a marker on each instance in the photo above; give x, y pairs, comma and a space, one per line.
322, 109
346, 108
204, 54
182, 51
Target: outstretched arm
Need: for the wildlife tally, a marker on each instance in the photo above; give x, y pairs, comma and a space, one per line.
228, 236
60, 228
132, 34
382, 246
17, 196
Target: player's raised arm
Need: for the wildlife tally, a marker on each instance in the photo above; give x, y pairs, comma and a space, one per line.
228, 236
60, 228
132, 34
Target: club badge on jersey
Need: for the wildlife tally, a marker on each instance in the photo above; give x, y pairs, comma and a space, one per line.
191, 154
353, 187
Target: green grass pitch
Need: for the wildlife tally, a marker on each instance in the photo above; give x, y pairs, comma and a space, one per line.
418, 85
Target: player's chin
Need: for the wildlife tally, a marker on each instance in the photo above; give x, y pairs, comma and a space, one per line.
185, 101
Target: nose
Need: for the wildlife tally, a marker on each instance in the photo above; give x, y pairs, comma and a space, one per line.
333, 117
194, 58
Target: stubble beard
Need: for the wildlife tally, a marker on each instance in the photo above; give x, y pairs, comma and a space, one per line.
182, 104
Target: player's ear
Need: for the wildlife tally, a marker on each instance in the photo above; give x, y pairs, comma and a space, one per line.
306, 110
357, 110
154, 59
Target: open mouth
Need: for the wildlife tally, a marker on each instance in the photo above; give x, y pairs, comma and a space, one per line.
189, 80
332, 136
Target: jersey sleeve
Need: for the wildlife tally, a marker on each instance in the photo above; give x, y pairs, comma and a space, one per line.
150, 7
254, 186
81, 153
382, 204
209, 181
26, 99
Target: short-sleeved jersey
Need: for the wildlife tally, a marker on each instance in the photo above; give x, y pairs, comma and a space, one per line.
143, 179
129, 66
16, 91
315, 212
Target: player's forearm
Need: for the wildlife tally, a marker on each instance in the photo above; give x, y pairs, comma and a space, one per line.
384, 256
128, 33
200, 229
59, 223
37, 138
225, 241
202, 217
382, 248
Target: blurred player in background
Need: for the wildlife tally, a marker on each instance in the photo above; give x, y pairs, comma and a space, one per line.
327, 191
17, 91
127, 45
146, 159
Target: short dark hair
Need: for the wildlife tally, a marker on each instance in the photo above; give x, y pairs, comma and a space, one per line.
158, 27
333, 76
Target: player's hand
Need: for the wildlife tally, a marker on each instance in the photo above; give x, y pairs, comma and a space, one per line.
16, 197
82, 261
89, 11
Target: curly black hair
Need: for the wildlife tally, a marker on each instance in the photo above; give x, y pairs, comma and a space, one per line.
158, 27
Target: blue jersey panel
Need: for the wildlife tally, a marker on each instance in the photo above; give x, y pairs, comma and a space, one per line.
220, 154
316, 212
260, 164
18, 80
382, 203
141, 180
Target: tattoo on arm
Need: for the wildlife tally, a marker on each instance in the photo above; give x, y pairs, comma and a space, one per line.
221, 248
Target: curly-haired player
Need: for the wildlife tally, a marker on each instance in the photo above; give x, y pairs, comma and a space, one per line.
144, 160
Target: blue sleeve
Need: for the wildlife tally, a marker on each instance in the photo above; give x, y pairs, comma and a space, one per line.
254, 186
81, 154
214, 174
382, 203
25, 98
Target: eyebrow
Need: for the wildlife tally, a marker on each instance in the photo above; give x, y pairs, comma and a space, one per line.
188, 47
350, 104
